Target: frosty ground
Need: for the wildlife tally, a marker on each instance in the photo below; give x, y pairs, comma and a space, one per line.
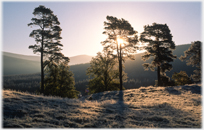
145, 107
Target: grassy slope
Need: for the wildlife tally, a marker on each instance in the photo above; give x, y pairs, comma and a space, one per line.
146, 107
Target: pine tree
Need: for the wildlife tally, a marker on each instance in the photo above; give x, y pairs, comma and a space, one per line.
122, 40
193, 57
59, 81
47, 37
160, 46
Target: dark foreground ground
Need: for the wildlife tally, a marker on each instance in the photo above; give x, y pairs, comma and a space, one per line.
146, 107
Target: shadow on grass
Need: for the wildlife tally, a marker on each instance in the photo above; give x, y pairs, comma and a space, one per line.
194, 89
122, 115
172, 90
112, 113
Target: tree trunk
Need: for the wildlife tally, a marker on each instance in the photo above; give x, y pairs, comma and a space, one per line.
106, 76
158, 76
42, 69
158, 67
120, 69
42, 72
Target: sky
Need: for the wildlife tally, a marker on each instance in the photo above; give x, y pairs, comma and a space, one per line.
82, 22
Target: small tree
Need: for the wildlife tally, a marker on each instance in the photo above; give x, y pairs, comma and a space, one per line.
121, 41
193, 57
47, 37
59, 81
160, 46
104, 73
181, 78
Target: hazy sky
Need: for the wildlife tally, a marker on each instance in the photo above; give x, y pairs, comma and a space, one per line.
82, 23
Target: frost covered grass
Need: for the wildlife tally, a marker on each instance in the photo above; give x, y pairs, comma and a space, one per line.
146, 107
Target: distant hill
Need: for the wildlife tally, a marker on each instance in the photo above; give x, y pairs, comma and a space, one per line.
137, 76
14, 64
135, 69
24, 57
80, 59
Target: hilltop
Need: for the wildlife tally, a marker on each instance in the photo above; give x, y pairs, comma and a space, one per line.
15, 64
146, 107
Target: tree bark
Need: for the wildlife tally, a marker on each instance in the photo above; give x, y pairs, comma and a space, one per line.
158, 66
42, 68
120, 69
42, 73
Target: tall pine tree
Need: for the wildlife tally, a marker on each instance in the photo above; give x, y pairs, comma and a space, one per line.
159, 47
47, 37
121, 40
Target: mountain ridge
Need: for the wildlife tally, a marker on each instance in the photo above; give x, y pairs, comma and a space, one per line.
37, 58
22, 56
13, 62
16, 74
86, 58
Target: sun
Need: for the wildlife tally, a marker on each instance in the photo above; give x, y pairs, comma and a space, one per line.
120, 41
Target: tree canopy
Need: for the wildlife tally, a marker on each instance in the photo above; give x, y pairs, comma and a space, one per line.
120, 28
193, 57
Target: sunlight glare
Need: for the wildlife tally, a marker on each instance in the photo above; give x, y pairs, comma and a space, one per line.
120, 41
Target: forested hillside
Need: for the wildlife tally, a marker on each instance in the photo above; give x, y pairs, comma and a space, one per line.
137, 76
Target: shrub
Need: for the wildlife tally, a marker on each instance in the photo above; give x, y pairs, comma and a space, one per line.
59, 81
181, 78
